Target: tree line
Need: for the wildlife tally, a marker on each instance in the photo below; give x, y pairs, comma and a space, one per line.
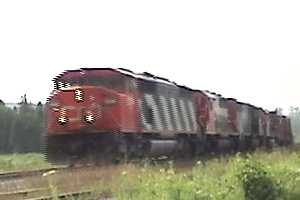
295, 122
21, 129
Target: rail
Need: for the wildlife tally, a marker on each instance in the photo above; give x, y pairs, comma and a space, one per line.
70, 195
20, 174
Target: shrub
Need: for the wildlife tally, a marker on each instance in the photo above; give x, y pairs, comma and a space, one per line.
257, 182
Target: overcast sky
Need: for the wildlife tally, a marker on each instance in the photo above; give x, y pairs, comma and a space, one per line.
249, 50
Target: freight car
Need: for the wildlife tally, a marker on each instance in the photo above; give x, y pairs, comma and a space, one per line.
105, 113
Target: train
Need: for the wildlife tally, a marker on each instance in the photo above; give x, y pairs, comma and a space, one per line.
108, 113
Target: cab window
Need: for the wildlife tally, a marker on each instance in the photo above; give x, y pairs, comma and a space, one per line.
111, 82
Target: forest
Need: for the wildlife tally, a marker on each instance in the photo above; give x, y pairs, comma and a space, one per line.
21, 128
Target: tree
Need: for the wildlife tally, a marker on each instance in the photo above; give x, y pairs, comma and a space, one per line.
295, 122
21, 129
28, 128
7, 117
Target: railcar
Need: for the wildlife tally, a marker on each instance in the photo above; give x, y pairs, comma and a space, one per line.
105, 113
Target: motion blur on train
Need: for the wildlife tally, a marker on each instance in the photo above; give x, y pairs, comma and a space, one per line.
104, 114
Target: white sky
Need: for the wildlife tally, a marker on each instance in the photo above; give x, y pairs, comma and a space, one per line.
249, 50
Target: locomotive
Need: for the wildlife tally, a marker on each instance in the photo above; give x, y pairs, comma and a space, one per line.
105, 113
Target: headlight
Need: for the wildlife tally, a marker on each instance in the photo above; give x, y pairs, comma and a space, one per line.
62, 119
60, 85
89, 117
78, 94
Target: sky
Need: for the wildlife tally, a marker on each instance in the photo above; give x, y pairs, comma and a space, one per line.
249, 50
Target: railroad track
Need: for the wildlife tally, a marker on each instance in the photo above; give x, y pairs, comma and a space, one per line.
62, 180
67, 195
85, 194
21, 194
20, 174
20, 184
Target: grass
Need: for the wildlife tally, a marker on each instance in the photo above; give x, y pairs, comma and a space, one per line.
29, 161
256, 176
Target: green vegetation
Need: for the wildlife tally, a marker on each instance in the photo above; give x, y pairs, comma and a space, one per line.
259, 176
16, 162
21, 129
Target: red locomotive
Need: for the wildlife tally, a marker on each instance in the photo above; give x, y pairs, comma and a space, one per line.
101, 113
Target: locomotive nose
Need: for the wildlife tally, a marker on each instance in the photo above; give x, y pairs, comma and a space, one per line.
73, 109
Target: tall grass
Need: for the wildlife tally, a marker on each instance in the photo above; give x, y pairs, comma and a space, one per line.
257, 176
27, 161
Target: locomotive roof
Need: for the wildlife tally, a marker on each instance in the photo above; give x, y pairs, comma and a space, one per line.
145, 76
212, 95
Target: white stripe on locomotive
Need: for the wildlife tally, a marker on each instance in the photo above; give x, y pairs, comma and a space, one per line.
156, 117
191, 110
184, 115
166, 113
145, 124
172, 111
176, 114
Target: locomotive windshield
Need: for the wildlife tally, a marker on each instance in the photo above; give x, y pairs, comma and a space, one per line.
68, 82
116, 82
